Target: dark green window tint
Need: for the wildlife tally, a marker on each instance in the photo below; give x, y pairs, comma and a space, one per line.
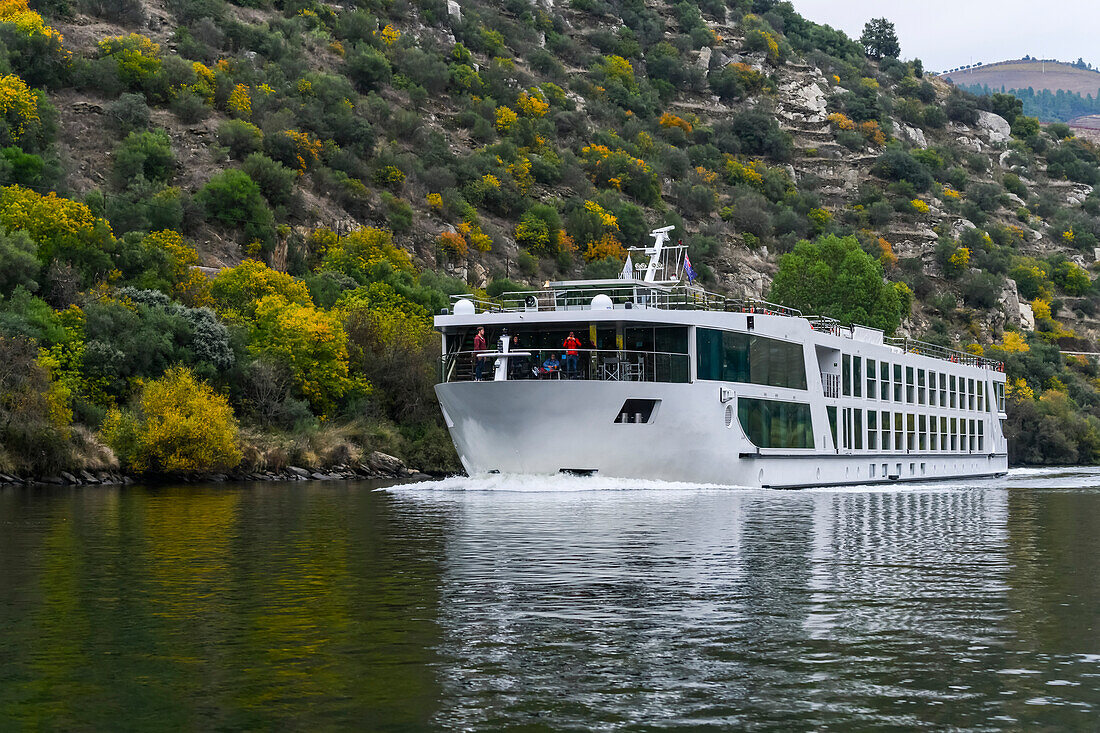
741, 357
776, 424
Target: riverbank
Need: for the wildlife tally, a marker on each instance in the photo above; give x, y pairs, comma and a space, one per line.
377, 465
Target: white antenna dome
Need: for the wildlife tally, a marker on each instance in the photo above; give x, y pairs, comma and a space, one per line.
601, 302
464, 308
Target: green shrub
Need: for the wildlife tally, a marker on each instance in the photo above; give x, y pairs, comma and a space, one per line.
242, 138
275, 180
233, 199
129, 113
143, 154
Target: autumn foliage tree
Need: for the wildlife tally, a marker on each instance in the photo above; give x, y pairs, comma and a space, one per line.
179, 424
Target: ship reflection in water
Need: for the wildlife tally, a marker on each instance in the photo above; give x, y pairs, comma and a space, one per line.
552, 603
926, 606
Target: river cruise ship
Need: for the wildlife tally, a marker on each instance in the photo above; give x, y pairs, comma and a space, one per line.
647, 377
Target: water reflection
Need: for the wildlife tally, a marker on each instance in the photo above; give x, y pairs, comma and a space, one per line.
551, 605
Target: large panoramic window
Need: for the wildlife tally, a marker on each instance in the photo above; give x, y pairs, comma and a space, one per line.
771, 424
741, 357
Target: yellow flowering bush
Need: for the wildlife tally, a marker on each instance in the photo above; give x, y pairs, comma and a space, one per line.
189, 285
390, 35
531, 104
841, 121
137, 56
670, 120
751, 174
239, 103
180, 425
307, 149
606, 218
919, 206
25, 20
505, 118
18, 106
435, 202
604, 247
1017, 389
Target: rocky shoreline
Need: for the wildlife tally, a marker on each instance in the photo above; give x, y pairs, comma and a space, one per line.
377, 466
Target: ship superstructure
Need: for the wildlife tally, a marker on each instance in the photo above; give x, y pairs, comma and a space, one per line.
666, 381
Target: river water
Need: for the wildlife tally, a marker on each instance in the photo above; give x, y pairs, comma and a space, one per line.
562, 603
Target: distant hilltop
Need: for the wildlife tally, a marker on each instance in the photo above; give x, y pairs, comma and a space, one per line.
1036, 74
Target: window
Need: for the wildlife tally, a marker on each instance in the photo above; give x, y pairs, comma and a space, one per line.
857, 429
921, 391
871, 471
846, 428
846, 360
932, 388
872, 389
885, 423
897, 383
982, 405
911, 431
973, 435
953, 390
741, 357
1000, 396
933, 436
954, 432
872, 430
772, 424
899, 431
884, 373
943, 433
943, 390
922, 433
857, 376
909, 385
970, 394
832, 423
981, 435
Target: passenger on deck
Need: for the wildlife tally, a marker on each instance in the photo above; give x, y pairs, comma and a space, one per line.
519, 366
551, 366
572, 343
479, 346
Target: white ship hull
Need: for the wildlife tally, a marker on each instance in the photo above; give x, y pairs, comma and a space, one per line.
543, 428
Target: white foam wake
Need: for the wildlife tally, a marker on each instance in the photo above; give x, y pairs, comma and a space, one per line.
552, 484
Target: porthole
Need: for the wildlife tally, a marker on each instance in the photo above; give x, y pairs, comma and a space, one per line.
729, 416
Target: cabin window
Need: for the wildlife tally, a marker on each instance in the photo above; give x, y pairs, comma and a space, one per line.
920, 387
832, 423
846, 360
884, 372
983, 406
954, 433
943, 390
885, 423
970, 394
857, 429
922, 432
911, 431
872, 430
899, 431
740, 357
981, 435
1000, 396
932, 389
771, 424
944, 445
871, 382
857, 376
897, 383
910, 387
952, 391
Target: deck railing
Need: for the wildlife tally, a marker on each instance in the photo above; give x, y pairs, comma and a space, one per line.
601, 365
923, 348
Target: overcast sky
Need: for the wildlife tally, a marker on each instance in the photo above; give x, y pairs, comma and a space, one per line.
945, 34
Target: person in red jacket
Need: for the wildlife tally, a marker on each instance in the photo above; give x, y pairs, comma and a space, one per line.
572, 343
479, 346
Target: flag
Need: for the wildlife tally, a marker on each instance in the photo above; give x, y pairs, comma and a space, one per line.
628, 270
688, 270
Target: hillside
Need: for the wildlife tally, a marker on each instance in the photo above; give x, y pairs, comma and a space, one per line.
1038, 75
258, 206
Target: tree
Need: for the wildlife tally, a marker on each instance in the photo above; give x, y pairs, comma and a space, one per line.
179, 424
834, 277
880, 40
235, 200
